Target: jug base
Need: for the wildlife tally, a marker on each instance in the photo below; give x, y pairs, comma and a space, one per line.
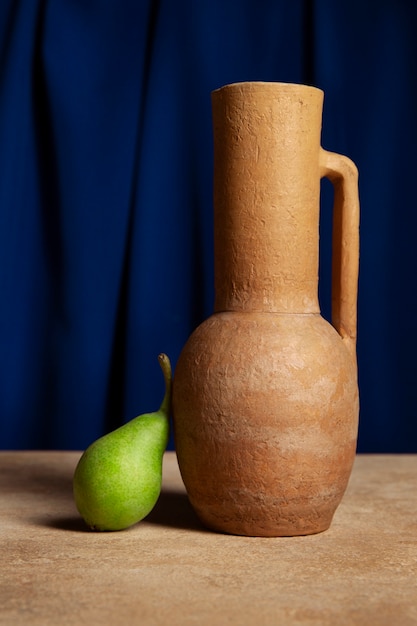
265, 527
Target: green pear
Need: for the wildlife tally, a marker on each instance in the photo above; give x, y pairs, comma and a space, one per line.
118, 478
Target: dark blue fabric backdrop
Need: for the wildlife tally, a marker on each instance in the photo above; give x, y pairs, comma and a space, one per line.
106, 202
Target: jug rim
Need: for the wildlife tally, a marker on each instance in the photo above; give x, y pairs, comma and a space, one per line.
268, 85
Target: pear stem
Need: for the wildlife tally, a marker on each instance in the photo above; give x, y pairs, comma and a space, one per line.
165, 364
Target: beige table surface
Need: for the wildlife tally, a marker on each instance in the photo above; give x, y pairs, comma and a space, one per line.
169, 570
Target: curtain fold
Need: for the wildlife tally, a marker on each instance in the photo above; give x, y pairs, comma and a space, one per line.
106, 195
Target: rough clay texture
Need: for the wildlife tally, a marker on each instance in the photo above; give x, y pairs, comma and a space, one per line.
265, 396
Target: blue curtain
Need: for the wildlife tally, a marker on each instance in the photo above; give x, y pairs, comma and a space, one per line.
106, 203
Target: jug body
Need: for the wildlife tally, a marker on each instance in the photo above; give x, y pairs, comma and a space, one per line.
266, 423
265, 396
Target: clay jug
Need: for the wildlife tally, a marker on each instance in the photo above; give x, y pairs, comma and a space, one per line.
265, 396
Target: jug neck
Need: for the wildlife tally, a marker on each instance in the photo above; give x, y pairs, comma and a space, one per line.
266, 197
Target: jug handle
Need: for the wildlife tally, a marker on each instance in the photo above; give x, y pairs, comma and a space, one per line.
343, 174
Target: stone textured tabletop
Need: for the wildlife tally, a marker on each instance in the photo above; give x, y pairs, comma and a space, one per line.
169, 570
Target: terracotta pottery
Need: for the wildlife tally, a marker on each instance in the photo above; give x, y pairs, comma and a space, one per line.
265, 396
